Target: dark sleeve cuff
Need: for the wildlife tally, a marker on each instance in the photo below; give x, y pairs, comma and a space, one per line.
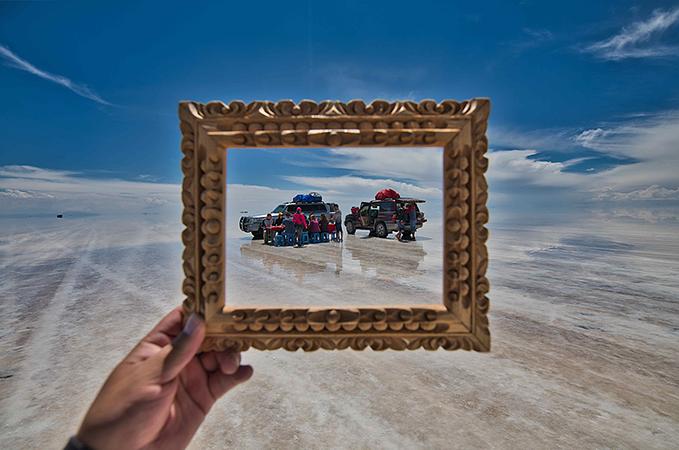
75, 444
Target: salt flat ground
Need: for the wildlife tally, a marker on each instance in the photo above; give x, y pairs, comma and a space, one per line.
584, 320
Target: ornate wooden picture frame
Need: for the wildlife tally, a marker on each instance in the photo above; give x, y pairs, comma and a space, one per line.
459, 127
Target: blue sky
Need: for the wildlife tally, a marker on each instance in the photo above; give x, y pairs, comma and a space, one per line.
585, 99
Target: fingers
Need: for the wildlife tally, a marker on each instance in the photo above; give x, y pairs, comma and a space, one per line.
228, 362
161, 335
221, 383
174, 357
167, 329
209, 361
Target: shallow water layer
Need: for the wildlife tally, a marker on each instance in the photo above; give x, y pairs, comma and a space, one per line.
360, 270
584, 320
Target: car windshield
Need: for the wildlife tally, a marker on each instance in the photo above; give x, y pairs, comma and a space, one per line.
279, 208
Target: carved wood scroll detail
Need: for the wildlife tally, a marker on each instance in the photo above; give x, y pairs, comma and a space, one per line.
462, 321
187, 125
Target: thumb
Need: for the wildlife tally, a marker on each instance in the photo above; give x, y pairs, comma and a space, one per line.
174, 357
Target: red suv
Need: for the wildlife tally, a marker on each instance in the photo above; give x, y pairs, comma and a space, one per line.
378, 216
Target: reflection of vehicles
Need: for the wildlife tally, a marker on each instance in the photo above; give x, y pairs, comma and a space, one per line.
402, 264
270, 258
251, 224
378, 216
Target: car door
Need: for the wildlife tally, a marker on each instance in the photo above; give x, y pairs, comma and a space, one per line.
364, 214
385, 211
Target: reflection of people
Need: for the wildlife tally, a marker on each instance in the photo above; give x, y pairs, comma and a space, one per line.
323, 223
338, 223
300, 224
336, 257
400, 265
298, 267
158, 396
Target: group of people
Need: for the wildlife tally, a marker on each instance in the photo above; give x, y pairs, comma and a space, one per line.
297, 224
409, 215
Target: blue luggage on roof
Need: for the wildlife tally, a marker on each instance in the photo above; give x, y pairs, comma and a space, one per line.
308, 198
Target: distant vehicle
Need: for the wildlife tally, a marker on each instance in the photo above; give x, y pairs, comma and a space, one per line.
378, 216
252, 224
60, 216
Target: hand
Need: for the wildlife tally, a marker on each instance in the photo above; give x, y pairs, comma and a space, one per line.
158, 396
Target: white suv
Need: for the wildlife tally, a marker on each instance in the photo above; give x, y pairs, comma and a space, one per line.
252, 224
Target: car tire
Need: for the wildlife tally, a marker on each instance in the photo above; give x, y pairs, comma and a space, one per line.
257, 235
381, 230
351, 229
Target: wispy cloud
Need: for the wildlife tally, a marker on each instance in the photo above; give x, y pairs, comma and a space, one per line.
640, 40
349, 81
12, 60
532, 38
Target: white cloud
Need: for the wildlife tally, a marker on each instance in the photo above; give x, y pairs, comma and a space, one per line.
518, 166
154, 201
588, 138
19, 194
36, 173
147, 177
12, 60
654, 192
421, 166
654, 215
352, 184
26, 189
640, 40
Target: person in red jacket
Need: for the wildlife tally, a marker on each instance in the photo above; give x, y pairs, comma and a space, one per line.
300, 224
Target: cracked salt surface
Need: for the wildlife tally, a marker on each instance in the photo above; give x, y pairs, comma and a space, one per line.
584, 319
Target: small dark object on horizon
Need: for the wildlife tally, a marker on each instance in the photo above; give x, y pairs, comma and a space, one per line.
59, 216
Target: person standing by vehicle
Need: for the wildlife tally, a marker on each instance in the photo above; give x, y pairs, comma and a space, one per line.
300, 224
399, 218
289, 225
411, 214
337, 217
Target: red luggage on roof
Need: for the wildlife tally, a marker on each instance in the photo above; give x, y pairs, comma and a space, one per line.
386, 193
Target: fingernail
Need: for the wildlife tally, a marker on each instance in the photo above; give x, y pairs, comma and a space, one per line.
233, 360
191, 324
